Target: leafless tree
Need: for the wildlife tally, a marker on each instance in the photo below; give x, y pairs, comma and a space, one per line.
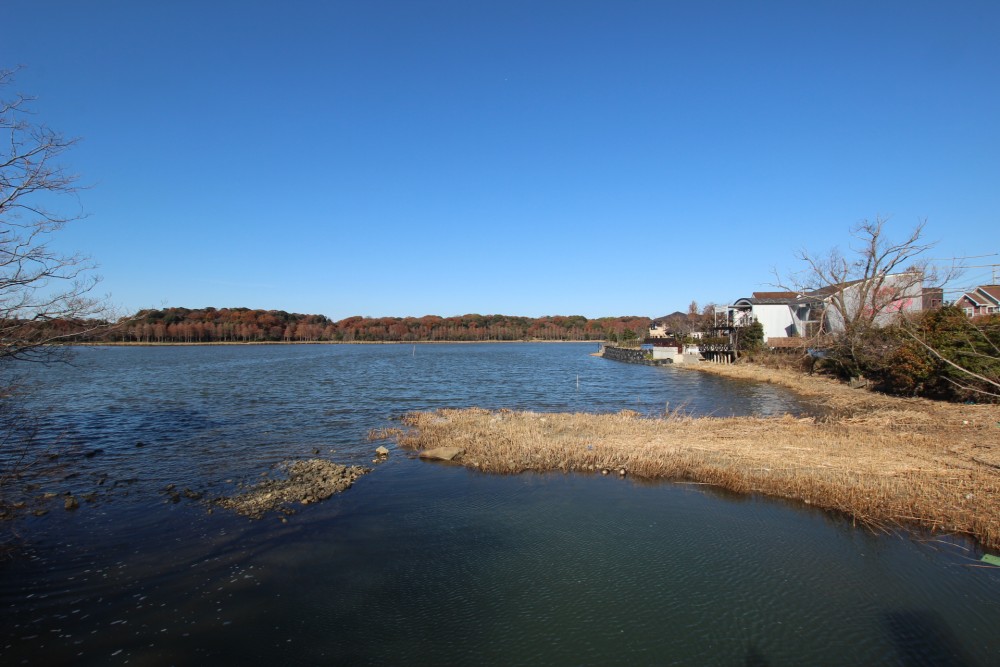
45, 294
41, 288
879, 283
875, 280
873, 284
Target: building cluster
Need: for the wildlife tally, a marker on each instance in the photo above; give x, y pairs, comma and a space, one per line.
802, 319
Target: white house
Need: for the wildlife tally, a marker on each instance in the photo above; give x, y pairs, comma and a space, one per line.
781, 314
658, 329
808, 313
882, 299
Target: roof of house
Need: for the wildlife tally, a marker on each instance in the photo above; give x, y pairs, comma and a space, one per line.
992, 291
776, 299
806, 297
973, 297
776, 296
827, 290
983, 295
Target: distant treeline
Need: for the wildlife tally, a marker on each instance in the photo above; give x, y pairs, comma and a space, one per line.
244, 325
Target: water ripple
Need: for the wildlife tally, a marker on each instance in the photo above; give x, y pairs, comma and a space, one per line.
435, 564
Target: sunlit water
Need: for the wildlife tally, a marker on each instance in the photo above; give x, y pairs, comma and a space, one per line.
433, 564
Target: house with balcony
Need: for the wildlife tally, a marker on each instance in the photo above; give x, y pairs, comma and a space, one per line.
781, 314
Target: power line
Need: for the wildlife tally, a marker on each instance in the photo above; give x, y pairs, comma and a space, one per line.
952, 259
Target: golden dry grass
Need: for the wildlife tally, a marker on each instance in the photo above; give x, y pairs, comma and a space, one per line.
878, 459
383, 433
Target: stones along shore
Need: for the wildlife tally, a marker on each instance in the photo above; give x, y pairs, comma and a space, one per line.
306, 482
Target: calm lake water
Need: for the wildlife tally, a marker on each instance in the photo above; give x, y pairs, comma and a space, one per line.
423, 563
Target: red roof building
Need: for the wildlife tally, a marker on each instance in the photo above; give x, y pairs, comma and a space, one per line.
984, 300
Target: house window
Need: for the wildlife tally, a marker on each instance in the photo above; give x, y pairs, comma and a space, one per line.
969, 312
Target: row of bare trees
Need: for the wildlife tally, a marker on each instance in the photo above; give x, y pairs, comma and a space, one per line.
184, 325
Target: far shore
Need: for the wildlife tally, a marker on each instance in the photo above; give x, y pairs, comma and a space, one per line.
130, 343
881, 460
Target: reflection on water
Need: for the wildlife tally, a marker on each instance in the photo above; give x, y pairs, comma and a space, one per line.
434, 564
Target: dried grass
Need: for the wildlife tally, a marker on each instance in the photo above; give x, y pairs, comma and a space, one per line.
383, 433
880, 460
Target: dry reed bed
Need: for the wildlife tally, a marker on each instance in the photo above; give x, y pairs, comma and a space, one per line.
880, 460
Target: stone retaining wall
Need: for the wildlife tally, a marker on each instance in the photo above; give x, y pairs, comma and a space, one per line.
630, 355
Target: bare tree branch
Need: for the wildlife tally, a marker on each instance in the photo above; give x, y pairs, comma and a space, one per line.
39, 286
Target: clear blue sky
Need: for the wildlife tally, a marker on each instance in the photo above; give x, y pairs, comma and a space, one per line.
594, 158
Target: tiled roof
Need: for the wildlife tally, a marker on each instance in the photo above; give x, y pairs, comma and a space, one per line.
974, 298
808, 297
832, 289
773, 302
993, 291
778, 298
984, 295
775, 295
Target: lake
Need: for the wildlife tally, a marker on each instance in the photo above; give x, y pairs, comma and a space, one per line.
423, 563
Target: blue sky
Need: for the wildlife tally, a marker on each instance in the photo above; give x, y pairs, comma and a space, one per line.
595, 158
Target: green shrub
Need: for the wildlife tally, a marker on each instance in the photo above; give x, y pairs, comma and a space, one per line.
913, 357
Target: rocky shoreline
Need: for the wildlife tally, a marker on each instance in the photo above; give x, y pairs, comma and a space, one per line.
306, 482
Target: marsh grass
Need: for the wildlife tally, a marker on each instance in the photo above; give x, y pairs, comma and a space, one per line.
384, 433
883, 461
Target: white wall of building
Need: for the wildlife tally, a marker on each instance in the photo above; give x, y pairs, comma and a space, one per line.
776, 319
910, 300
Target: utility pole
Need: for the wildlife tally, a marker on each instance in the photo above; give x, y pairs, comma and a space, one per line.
994, 271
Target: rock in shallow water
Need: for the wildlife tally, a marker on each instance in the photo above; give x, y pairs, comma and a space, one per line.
442, 453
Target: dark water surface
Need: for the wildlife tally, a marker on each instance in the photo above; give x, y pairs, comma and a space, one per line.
433, 564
